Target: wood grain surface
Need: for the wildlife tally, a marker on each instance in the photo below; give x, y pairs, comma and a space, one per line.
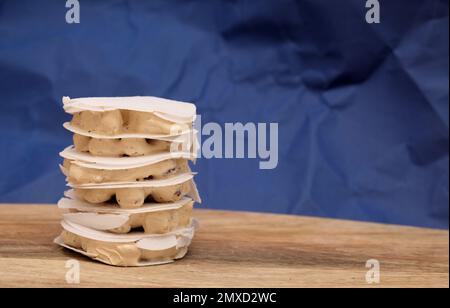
235, 249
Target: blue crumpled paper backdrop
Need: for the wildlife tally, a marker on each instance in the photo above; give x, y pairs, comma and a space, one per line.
362, 109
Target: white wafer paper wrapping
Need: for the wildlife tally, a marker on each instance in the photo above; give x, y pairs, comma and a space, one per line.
108, 237
173, 137
88, 160
174, 111
72, 202
178, 179
165, 137
179, 239
106, 216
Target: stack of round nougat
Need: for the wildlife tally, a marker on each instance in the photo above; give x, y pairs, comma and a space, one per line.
131, 189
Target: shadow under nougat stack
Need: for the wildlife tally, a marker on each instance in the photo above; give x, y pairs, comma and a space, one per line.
132, 191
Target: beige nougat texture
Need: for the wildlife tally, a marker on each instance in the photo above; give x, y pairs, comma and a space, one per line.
134, 197
116, 122
131, 147
158, 222
165, 169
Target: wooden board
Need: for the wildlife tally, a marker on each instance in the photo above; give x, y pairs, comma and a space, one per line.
235, 249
